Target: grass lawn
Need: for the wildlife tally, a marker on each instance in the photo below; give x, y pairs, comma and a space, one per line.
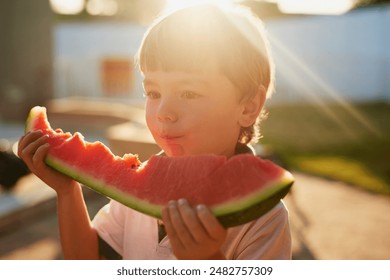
347, 143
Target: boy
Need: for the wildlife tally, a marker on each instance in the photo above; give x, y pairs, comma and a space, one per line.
207, 73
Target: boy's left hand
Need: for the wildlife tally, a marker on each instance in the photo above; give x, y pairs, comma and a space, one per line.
194, 232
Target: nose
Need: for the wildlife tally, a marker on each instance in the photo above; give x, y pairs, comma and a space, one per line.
167, 111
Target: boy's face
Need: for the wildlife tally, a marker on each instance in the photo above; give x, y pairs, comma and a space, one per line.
192, 113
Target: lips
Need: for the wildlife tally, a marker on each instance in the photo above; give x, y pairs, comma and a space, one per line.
169, 137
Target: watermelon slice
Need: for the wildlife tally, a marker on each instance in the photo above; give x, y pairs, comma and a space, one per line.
237, 190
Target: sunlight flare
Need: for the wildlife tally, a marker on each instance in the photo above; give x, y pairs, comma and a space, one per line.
173, 5
330, 7
332, 95
67, 7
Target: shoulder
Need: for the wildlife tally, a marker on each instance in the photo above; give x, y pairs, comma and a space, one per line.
267, 237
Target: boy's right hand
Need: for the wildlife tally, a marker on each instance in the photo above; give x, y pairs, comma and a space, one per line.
32, 149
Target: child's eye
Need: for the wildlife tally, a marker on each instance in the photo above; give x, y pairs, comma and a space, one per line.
152, 95
190, 95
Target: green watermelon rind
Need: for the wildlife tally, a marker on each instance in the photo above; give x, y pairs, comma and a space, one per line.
254, 205
230, 214
251, 199
253, 211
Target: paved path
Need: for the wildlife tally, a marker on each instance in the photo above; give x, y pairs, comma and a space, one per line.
330, 220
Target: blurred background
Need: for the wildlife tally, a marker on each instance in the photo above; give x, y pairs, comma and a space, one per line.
328, 120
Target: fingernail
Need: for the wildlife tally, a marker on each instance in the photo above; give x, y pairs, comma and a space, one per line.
182, 201
201, 207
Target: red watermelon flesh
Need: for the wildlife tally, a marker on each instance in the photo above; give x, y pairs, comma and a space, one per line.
237, 190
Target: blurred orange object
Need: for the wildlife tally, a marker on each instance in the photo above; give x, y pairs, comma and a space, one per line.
117, 76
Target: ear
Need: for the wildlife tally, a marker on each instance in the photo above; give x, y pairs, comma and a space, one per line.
252, 107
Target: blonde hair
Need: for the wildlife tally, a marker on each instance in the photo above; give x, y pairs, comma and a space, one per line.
206, 37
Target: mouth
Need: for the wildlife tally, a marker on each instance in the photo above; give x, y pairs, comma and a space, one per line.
170, 137
172, 144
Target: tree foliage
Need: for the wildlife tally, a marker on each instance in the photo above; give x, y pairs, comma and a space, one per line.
365, 3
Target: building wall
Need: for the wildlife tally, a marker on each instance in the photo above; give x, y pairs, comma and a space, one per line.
332, 58
25, 56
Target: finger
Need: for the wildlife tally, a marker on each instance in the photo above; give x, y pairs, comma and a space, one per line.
59, 130
39, 156
34, 144
177, 227
191, 221
39, 165
27, 139
27, 154
213, 227
173, 238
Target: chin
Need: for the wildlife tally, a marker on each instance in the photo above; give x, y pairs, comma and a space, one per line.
175, 151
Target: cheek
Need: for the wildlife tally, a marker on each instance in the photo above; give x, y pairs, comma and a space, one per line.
150, 116
220, 119
225, 113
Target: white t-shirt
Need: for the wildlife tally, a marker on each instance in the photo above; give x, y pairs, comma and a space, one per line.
135, 235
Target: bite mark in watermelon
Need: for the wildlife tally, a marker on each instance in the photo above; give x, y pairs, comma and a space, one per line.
237, 190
